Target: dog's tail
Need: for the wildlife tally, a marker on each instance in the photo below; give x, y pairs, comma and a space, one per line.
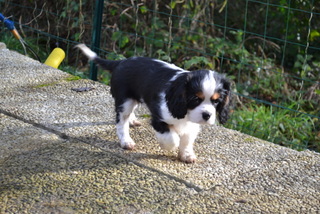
104, 63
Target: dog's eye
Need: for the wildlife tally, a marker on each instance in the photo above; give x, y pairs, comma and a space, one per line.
215, 101
198, 99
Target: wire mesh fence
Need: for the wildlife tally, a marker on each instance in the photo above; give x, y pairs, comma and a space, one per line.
270, 50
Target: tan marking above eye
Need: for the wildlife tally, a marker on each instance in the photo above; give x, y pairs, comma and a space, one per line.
200, 95
215, 96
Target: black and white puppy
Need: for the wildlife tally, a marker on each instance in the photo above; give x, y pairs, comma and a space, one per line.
179, 100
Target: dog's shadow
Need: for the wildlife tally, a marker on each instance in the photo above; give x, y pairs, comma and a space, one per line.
147, 147
141, 156
141, 153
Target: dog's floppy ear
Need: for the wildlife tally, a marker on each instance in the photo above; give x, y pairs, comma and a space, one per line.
223, 107
176, 97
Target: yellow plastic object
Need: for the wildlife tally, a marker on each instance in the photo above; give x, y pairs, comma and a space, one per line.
55, 58
16, 34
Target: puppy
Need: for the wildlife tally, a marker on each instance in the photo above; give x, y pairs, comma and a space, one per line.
178, 100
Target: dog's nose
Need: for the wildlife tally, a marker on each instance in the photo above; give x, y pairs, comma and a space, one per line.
206, 115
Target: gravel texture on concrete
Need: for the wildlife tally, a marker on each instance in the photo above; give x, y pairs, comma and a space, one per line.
59, 153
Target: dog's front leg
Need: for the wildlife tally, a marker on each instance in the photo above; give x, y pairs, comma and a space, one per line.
186, 153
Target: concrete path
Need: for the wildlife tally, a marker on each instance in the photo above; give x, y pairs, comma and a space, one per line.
59, 154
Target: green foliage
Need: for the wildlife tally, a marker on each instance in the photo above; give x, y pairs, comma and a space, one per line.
282, 127
121, 38
13, 44
302, 66
163, 55
198, 61
74, 71
314, 34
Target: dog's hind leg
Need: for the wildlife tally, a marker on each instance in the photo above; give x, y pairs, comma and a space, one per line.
124, 111
167, 137
133, 119
168, 140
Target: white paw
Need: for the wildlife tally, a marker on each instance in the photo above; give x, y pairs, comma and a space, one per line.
168, 141
127, 144
187, 156
133, 120
134, 123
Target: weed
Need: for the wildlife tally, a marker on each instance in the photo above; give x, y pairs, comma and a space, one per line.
14, 44
72, 78
282, 127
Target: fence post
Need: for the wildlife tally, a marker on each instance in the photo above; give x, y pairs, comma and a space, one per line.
96, 32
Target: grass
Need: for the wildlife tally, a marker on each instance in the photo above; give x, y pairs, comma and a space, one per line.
282, 127
14, 44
